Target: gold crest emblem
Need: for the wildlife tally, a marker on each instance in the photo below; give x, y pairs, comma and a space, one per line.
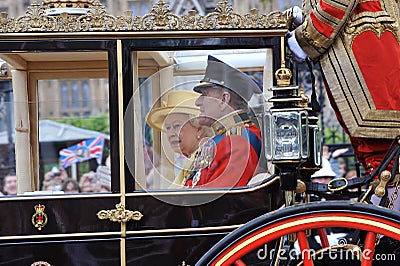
39, 218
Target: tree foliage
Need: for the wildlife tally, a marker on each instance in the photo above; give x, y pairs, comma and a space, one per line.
99, 123
335, 136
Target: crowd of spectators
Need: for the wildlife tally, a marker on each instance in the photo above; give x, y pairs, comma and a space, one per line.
92, 181
9, 186
57, 181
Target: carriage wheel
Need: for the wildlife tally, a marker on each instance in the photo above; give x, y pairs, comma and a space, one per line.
297, 219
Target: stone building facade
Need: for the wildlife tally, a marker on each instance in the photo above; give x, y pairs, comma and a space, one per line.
78, 98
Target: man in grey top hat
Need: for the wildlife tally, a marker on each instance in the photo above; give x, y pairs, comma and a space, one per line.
231, 157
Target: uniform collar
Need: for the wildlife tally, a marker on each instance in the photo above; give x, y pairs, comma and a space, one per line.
233, 119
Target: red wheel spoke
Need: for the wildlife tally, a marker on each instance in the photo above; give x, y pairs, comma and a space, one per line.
369, 249
304, 248
239, 263
323, 237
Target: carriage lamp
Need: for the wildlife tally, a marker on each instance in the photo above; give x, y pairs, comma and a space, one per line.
287, 122
292, 133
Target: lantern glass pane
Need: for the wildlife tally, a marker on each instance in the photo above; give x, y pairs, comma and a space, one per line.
317, 146
305, 151
286, 136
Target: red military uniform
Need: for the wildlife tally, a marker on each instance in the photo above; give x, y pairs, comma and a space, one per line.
357, 43
231, 157
228, 159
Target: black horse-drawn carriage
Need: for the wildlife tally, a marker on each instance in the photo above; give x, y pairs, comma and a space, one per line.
76, 60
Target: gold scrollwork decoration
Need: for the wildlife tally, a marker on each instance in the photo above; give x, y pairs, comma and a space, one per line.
160, 18
97, 19
223, 17
378, 28
377, 22
120, 215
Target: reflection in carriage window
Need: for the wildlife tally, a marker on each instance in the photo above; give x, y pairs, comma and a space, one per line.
85, 95
75, 95
64, 95
74, 135
172, 111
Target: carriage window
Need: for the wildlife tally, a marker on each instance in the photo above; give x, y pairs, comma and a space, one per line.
56, 127
171, 131
74, 135
8, 184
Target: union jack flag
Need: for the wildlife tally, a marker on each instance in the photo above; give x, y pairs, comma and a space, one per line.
83, 151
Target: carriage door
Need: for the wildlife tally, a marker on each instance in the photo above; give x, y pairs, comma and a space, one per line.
61, 119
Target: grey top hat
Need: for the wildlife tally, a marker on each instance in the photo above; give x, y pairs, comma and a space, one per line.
222, 74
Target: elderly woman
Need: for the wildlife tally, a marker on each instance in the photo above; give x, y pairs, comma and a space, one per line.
178, 119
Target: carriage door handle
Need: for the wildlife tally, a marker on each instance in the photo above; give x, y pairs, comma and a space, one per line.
120, 214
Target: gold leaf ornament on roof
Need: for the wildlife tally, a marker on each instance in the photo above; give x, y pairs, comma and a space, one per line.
35, 19
223, 17
160, 18
97, 19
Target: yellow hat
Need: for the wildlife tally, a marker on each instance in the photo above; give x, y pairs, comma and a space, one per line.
178, 101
